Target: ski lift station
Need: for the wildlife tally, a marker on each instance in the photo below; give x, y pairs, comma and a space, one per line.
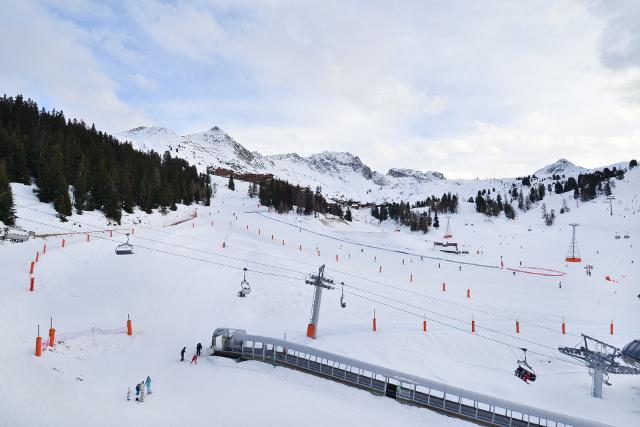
405, 388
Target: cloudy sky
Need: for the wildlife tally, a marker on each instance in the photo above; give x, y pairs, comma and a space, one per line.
473, 88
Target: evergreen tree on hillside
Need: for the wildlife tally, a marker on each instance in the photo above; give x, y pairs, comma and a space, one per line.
62, 202
43, 146
81, 186
231, 185
436, 221
509, 212
112, 205
347, 215
7, 212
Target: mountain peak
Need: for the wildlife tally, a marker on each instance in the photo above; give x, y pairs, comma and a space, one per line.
559, 167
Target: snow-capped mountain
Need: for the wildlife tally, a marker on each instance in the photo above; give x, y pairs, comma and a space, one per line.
341, 175
561, 167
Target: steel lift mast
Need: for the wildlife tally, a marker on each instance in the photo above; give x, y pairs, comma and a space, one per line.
599, 357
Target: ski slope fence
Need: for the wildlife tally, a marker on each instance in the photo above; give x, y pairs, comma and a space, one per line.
60, 338
405, 388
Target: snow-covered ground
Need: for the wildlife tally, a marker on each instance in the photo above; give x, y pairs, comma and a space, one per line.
181, 284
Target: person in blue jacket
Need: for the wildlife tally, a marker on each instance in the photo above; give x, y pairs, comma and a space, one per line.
148, 384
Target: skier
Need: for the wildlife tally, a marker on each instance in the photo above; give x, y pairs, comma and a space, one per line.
194, 359
559, 285
128, 394
148, 384
514, 273
142, 391
137, 392
198, 349
184, 350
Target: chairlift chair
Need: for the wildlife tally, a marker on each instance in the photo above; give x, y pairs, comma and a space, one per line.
342, 303
245, 289
524, 371
124, 248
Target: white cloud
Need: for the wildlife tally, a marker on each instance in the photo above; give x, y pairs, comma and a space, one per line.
471, 89
48, 59
144, 82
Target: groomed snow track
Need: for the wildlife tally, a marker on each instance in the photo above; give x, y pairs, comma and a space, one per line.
405, 388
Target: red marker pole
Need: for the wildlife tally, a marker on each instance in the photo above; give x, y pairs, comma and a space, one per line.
468, 293
52, 334
375, 326
129, 326
517, 326
39, 344
31, 268
32, 284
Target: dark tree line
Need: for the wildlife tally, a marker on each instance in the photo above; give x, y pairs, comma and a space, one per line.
285, 197
448, 203
402, 214
45, 148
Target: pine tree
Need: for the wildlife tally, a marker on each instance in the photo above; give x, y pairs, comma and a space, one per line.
436, 221
7, 212
231, 185
509, 212
80, 187
62, 202
112, 207
347, 215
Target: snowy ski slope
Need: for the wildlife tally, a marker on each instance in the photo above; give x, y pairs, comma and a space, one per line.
181, 284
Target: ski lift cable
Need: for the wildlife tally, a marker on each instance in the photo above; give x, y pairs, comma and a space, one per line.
179, 246
460, 329
304, 274
451, 317
297, 278
348, 274
340, 272
478, 310
175, 254
369, 280
355, 276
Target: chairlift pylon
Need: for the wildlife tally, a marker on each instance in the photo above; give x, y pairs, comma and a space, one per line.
125, 248
342, 303
524, 371
245, 289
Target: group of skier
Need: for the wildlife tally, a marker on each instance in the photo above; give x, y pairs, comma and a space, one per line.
194, 359
142, 388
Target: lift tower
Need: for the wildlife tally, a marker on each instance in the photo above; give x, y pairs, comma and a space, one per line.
610, 199
600, 358
573, 255
320, 282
